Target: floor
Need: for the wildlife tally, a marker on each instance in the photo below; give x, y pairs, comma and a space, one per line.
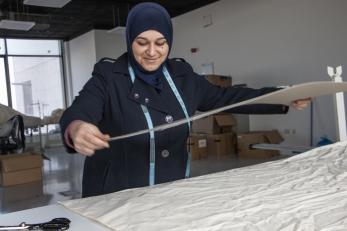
62, 179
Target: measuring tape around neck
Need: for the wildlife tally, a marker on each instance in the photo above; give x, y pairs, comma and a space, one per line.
150, 125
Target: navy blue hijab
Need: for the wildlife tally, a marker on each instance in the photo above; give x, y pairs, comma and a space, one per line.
148, 16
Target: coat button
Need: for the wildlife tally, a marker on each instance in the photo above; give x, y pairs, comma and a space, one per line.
136, 95
165, 153
146, 100
169, 119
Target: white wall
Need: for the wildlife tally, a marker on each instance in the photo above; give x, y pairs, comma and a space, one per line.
109, 45
84, 51
269, 43
82, 59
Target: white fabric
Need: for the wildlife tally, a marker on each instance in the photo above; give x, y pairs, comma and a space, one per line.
304, 192
284, 96
7, 113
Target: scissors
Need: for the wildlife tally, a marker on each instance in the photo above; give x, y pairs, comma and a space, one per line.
57, 224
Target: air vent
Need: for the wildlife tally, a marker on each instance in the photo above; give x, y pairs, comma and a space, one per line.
16, 25
47, 3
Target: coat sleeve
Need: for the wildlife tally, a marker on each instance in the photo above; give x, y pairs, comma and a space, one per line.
88, 106
211, 97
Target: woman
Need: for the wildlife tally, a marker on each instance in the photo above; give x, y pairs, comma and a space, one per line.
139, 90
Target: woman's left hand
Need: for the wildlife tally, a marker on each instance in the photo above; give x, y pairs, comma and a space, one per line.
300, 104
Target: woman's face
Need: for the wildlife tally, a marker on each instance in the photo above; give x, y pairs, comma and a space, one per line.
150, 49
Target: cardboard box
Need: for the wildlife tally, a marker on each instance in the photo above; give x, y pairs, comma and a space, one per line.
20, 168
197, 145
21, 192
216, 124
219, 80
222, 145
245, 140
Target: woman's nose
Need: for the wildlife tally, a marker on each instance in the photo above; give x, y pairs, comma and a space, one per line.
151, 50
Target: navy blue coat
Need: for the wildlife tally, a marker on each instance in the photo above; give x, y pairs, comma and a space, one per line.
112, 102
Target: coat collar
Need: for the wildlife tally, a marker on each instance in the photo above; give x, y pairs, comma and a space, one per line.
121, 64
140, 92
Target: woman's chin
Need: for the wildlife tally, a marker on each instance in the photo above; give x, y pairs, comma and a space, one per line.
150, 67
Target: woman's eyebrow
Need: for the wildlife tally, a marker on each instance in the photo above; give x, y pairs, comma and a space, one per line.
139, 37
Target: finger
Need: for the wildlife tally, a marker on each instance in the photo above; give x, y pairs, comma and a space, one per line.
95, 142
88, 152
106, 137
95, 137
91, 146
96, 132
84, 141
84, 151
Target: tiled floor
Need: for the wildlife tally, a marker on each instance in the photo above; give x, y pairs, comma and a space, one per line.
62, 179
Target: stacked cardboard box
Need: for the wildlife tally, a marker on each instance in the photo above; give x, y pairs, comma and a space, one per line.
20, 168
218, 129
20, 192
20, 176
222, 144
197, 145
245, 140
219, 80
214, 132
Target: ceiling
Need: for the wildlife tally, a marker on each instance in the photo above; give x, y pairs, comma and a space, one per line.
79, 16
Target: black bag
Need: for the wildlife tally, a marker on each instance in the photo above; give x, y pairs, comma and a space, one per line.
12, 136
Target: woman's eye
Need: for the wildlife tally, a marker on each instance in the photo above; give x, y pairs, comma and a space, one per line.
160, 43
141, 43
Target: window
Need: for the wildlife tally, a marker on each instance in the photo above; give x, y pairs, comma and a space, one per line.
2, 46
32, 47
3, 86
33, 71
36, 85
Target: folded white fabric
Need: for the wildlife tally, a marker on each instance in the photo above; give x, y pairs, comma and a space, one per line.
304, 192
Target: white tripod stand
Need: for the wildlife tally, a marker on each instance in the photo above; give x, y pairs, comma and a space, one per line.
340, 115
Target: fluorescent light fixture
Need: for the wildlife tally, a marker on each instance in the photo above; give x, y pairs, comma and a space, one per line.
16, 25
47, 3
117, 30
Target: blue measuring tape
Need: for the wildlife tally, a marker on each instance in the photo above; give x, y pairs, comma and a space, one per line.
183, 106
150, 125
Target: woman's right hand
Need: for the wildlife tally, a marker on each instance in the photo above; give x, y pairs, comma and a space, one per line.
87, 138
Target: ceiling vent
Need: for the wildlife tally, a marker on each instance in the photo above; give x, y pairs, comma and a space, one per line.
47, 3
16, 25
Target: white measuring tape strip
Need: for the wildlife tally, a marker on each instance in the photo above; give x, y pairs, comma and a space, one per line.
180, 122
283, 96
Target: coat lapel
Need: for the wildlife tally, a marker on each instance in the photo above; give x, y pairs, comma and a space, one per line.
146, 95
141, 92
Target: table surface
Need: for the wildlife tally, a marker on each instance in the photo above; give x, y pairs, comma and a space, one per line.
47, 213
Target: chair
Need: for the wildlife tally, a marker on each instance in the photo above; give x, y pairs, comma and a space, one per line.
12, 137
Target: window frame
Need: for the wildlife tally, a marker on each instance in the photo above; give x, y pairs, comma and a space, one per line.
61, 61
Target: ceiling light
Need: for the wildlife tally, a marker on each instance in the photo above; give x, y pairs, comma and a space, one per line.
47, 3
16, 25
117, 30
